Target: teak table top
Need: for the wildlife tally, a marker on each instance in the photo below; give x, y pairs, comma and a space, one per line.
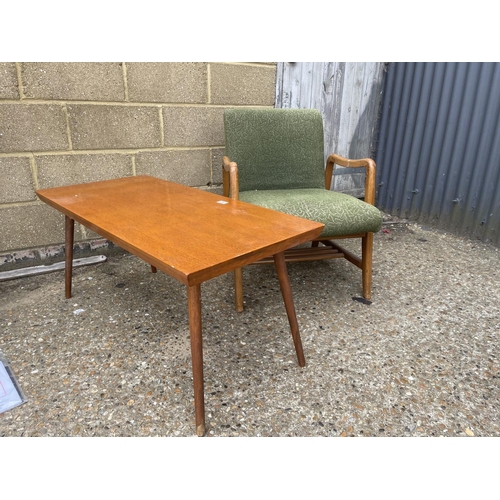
190, 234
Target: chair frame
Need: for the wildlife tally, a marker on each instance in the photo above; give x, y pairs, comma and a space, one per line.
330, 250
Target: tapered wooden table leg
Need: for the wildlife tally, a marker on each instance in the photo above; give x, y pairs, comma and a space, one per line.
238, 289
279, 261
69, 231
194, 307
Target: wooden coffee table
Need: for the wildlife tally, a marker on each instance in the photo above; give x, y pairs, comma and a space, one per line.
187, 233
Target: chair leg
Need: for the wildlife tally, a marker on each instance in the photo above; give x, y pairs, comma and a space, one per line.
366, 264
314, 244
238, 288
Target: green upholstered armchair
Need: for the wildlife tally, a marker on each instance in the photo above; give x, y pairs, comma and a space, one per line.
275, 159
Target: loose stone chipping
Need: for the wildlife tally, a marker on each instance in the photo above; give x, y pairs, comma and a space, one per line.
421, 360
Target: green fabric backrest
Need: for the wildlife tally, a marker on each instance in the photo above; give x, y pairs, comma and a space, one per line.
276, 148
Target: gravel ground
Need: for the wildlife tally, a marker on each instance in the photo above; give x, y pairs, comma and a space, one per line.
421, 360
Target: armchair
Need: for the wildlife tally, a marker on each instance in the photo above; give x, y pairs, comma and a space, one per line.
274, 158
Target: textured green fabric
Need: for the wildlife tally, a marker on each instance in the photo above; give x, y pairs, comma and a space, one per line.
341, 213
276, 148
280, 157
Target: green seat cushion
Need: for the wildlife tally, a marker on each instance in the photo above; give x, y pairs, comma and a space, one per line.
341, 213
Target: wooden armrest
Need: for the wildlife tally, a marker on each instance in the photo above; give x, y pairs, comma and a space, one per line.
367, 163
230, 185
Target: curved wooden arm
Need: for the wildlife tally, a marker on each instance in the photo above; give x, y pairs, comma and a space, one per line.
367, 163
230, 185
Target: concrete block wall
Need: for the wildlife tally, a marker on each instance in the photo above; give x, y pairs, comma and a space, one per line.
66, 123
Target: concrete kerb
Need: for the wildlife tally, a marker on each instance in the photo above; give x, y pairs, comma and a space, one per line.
52, 254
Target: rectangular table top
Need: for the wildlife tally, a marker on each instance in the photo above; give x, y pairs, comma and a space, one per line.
190, 234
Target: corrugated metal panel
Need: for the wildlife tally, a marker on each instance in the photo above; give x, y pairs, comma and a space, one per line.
438, 158
348, 95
